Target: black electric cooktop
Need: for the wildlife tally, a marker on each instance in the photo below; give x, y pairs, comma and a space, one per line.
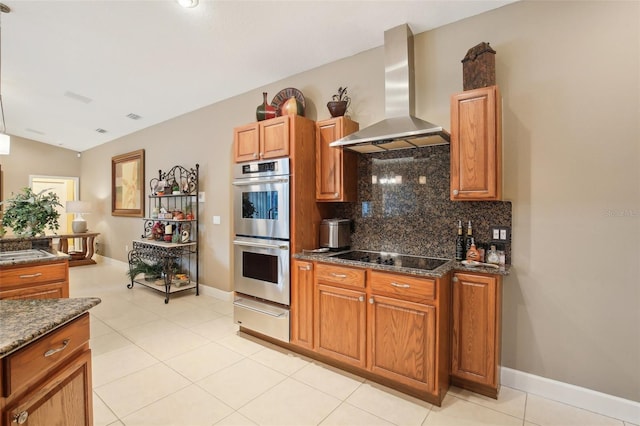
392, 259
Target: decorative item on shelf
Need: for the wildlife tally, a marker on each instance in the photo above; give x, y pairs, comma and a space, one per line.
189, 212
284, 96
79, 225
157, 231
340, 103
28, 213
292, 107
178, 215
184, 237
264, 110
479, 67
175, 188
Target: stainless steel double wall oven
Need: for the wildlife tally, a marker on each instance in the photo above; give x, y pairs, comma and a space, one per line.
261, 246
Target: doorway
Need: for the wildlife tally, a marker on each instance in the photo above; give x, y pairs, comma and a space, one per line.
67, 189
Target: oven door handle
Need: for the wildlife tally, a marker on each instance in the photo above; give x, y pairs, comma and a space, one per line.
261, 245
259, 181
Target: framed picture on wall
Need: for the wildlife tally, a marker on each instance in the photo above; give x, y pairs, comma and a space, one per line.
127, 184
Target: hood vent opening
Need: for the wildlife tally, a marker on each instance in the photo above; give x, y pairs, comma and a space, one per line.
400, 129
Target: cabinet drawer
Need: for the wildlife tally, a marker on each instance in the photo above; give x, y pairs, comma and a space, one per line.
33, 274
340, 275
43, 354
403, 285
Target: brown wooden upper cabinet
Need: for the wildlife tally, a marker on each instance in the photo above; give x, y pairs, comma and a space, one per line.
261, 140
336, 168
476, 145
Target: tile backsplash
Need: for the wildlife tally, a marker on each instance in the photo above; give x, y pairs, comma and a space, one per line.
403, 205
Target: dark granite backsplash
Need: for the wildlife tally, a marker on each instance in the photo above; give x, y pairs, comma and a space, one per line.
407, 210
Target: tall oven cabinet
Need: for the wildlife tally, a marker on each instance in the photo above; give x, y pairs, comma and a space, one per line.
166, 257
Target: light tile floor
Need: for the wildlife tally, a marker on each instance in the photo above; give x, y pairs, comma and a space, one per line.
185, 363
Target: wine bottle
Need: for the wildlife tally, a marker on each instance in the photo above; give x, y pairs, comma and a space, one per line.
469, 238
460, 251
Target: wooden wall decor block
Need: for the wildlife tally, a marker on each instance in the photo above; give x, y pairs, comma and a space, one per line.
479, 67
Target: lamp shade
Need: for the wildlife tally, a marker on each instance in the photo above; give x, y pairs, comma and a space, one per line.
5, 144
78, 206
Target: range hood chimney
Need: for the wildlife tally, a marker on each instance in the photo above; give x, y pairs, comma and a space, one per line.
400, 129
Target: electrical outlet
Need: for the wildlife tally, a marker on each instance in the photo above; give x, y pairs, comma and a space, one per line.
201, 197
500, 233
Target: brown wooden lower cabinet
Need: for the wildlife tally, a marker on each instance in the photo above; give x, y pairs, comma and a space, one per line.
58, 389
302, 303
340, 321
390, 328
475, 346
42, 280
402, 338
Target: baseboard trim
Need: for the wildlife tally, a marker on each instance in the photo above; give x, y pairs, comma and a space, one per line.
601, 403
227, 296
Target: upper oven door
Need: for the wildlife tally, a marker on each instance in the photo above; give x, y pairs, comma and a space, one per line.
261, 207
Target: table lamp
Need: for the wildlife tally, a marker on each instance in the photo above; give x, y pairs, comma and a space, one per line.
78, 225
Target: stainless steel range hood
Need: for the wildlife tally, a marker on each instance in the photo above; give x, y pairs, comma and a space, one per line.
400, 129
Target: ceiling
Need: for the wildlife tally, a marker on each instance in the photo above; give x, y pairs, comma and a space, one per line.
70, 68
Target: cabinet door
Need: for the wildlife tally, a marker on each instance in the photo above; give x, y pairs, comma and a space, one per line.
402, 339
274, 137
476, 329
336, 168
66, 398
302, 303
476, 145
44, 291
246, 143
340, 321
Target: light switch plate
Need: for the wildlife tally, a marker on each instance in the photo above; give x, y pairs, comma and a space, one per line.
201, 197
216, 220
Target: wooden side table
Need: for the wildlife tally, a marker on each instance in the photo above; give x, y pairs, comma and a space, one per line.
84, 256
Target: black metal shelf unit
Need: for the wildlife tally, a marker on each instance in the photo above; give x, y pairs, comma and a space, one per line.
166, 257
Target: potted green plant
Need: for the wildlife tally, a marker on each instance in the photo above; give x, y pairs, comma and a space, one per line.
28, 213
151, 271
339, 103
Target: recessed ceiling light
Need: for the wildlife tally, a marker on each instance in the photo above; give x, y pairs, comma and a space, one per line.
99, 130
133, 116
187, 3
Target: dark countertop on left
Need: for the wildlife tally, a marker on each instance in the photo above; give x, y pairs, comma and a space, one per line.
23, 321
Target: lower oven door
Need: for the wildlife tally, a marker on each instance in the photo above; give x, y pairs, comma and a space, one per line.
262, 268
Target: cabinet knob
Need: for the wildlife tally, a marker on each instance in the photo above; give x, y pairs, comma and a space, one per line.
361, 299
255, 155
336, 195
21, 418
261, 154
306, 268
456, 192
455, 279
371, 301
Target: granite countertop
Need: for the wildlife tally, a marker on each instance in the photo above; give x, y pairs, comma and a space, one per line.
23, 321
451, 265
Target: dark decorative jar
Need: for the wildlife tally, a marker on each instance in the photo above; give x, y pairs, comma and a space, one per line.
337, 108
265, 110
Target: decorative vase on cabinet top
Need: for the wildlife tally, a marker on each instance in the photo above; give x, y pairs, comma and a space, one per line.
292, 107
337, 108
265, 110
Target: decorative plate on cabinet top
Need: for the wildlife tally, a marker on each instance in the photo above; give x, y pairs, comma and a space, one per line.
283, 96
